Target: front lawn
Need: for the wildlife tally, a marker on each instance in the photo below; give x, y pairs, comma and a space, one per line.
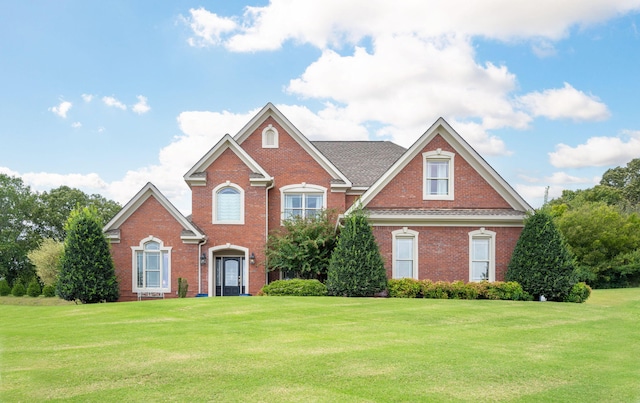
324, 349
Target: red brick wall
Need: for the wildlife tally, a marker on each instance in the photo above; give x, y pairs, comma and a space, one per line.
443, 252
229, 167
406, 189
152, 219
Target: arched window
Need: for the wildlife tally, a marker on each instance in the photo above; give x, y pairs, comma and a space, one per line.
270, 137
151, 266
228, 204
303, 200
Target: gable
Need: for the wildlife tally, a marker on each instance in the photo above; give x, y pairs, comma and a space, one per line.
197, 175
149, 193
477, 185
250, 138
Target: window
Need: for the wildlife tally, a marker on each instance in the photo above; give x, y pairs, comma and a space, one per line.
438, 175
303, 200
405, 253
270, 137
228, 204
151, 266
482, 255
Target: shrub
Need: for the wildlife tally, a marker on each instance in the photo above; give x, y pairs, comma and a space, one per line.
49, 291
183, 287
4, 288
33, 289
579, 293
437, 290
481, 288
302, 246
541, 262
404, 288
356, 268
295, 287
18, 290
510, 290
460, 290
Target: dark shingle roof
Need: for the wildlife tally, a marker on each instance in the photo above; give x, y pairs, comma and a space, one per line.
362, 162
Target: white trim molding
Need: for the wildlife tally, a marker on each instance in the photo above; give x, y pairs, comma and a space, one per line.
214, 203
483, 234
404, 233
270, 137
438, 156
165, 288
301, 188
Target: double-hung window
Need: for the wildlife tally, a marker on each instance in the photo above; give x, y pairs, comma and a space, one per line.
305, 201
438, 175
482, 264
152, 266
228, 204
405, 253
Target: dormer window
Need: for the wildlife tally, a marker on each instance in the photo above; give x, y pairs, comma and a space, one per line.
438, 175
270, 137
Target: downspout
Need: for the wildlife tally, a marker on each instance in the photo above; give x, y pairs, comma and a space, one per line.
204, 240
266, 228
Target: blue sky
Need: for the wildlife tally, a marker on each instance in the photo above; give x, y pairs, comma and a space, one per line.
107, 96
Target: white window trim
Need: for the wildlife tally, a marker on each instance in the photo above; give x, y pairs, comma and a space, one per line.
410, 234
264, 137
438, 154
214, 197
134, 265
484, 234
301, 188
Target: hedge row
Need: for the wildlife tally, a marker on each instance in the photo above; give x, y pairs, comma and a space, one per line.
295, 287
411, 288
33, 290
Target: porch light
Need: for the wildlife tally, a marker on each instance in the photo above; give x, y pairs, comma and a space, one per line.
203, 259
252, 258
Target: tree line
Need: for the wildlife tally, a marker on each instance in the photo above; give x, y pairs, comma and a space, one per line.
601, 226
31, 220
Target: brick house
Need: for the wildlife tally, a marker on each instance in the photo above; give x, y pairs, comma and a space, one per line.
438, 210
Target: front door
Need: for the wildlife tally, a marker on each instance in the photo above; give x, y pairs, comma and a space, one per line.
229, 276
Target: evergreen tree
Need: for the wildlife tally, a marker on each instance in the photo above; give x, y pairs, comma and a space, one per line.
541, 262
356, 268
87, 273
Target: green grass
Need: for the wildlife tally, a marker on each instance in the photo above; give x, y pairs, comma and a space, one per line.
324, 349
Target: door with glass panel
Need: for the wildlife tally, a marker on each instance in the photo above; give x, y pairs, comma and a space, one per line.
229, 276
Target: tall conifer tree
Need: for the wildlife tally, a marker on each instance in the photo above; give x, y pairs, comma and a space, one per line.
356, 268
541, 262
87, 273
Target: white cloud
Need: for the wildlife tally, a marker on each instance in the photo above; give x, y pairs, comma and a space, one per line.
565, 103
332, 22
141, 107
113, 102
46, 180
544, 49
76, 125
62, 109
405, 83
208, 27
87, 97
598, 151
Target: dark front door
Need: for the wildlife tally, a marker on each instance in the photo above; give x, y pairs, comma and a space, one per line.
229, 276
